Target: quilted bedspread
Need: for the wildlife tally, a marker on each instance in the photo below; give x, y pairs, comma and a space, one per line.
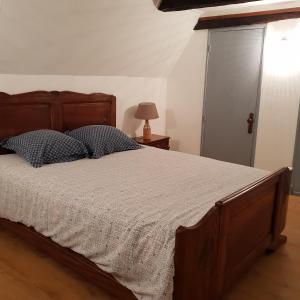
120, 211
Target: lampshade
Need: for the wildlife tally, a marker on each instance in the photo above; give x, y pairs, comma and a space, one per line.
146, 111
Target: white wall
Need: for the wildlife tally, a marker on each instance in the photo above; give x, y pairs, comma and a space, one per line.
279, 99
185, 96
128, 90
279, 96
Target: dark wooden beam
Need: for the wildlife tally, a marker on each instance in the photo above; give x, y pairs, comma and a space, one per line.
260, 17
172, 5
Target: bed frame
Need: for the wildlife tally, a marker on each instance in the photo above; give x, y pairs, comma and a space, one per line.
210, 256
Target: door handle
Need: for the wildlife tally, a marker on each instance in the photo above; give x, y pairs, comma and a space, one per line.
250, 122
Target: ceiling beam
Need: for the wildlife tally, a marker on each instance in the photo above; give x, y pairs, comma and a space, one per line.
260, 17
172, 5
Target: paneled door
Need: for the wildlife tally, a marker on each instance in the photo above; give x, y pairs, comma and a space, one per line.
232, 91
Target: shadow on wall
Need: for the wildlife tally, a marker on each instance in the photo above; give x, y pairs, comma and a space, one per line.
130, 123
174, 145
171, 126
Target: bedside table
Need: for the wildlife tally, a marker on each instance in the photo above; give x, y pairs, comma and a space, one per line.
158, 141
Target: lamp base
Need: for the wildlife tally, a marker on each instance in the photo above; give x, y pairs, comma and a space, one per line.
147, 131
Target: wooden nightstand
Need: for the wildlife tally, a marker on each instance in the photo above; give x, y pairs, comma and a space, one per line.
158, 141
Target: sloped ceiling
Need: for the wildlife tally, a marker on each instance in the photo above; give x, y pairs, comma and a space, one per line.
95, 37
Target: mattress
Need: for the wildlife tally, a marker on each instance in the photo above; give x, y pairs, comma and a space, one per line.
120, 211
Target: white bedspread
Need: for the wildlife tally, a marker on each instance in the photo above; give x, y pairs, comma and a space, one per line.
120, 211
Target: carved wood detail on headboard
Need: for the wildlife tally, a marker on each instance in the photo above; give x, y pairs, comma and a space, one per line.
60, 111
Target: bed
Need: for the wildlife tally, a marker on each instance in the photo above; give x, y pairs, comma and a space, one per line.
244, 217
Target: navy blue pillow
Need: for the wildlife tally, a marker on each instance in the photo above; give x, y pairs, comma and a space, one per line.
101, 140
45, 146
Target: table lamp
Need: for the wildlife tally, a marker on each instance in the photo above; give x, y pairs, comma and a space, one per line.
146, 111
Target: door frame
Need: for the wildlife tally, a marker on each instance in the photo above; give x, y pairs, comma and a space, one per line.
260, 76
296, 148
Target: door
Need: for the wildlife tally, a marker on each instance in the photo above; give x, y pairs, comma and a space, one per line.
232, 91
296, 164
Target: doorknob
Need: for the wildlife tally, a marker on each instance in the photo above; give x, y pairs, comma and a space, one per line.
250, 122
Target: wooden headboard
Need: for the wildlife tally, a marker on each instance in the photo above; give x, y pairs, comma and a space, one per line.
53, 110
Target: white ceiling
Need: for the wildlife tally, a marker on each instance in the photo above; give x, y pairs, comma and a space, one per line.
95, 37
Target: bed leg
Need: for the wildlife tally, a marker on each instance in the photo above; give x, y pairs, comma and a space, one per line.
282, 239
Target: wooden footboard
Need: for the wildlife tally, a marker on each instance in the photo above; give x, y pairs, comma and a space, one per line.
212, 255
